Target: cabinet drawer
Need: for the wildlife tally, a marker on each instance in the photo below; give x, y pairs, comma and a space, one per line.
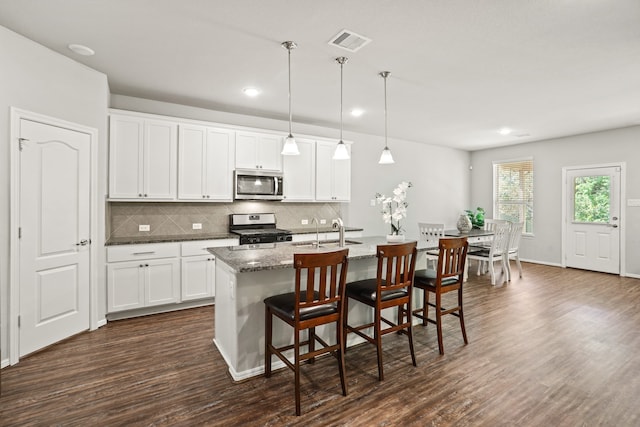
147, 251
199, 247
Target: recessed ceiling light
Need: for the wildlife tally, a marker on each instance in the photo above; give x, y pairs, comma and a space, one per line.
251, 91
357, 112
81, 49
505, 131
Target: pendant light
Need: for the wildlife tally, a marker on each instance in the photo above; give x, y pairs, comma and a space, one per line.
341, 152
385, 158
290, 147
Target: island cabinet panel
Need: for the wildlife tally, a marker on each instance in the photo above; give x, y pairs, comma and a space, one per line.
142, 158
205, 169
300, 173
333, 177
258, 151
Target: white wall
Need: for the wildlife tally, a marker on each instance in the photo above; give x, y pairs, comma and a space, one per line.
37, 79
440, 176
618, 145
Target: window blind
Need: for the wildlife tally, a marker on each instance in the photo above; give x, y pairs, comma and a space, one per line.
513, 192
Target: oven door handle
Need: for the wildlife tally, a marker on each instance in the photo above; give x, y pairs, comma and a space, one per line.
275, 181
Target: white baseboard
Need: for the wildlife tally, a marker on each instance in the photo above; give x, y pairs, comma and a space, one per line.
4, 363
551, 264
633, 276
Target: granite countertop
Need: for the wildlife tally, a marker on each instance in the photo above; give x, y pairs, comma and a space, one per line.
322, 229
242, 259
164, 239
207, 236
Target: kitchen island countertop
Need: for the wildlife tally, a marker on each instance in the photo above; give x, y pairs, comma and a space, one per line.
243, 259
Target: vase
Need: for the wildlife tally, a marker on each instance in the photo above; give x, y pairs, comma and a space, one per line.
464, 223
395, 238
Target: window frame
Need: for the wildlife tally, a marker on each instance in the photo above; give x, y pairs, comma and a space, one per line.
525, 201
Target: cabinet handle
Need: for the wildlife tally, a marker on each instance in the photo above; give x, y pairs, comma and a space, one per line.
208, 196
144, 253
145, 195
203, 196
139, 194
141, 265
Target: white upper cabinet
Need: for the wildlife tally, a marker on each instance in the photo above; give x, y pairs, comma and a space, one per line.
205, 168
142, 158
258, 151
333, 177
299, 173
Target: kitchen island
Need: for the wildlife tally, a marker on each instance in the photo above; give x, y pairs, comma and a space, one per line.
246, 276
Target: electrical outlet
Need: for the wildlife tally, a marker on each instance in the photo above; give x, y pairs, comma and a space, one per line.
372, 202
323, 221
144, 227
196, 226
305, 222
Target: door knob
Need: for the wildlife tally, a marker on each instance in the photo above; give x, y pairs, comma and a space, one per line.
83, 242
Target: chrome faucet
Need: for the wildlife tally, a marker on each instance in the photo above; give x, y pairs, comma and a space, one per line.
315, 221
340, 226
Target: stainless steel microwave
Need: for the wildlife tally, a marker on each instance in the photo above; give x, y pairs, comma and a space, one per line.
258, 185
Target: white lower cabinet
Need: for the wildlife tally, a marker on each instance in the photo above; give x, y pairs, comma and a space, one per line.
199, 269
147, 275
141, 276
143, 283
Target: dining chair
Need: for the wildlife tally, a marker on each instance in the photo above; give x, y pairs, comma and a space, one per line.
431, 232
496, 252
318, 299
447, 277
391, 288
515, 233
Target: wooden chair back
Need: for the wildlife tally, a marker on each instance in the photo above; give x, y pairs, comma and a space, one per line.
451, 260
324, 273
396, 268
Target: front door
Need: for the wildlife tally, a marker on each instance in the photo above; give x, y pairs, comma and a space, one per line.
592, 232
54, 276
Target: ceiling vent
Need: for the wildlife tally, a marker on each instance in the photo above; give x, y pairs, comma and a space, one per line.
348, 40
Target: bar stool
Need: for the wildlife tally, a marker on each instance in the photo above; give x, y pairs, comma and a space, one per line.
392, 287
318, 300
448, 277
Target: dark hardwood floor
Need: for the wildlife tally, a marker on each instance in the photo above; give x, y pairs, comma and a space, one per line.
559, 347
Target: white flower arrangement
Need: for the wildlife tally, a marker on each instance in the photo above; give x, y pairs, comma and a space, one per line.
390, 214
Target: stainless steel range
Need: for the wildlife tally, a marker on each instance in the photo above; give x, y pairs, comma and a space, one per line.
257, 228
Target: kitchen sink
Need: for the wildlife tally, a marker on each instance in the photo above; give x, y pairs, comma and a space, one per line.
326, 244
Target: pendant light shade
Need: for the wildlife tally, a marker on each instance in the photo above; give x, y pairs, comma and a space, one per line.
341, 153
385, 158
290, 147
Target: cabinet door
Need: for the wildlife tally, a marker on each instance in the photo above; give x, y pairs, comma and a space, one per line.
125, 157
333, 177
218, 169
160, 162
246, 152
125, 286
198, 277
269, 149
162, 281
258, 151
299, 172
191, 162
342, 179
324, 173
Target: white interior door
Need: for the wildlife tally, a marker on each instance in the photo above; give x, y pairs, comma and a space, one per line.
592, 223
54, 246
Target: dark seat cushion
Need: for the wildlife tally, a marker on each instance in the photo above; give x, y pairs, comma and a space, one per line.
367, 289
285, 304
427, 278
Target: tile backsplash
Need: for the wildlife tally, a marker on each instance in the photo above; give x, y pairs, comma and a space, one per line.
171, 219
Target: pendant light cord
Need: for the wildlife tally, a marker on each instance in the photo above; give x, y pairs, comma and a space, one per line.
341, 60
384, 75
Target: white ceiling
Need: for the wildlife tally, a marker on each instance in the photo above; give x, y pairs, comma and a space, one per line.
460, 69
